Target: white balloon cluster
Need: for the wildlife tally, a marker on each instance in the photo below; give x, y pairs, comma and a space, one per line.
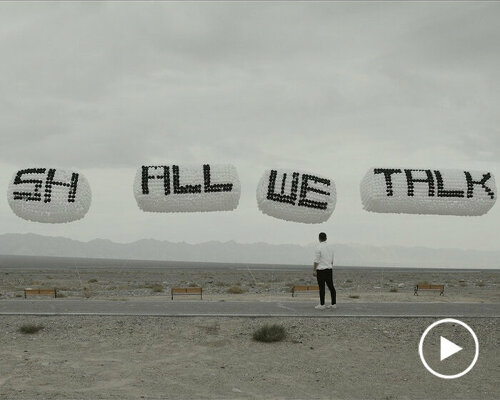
49, 195
428, 191
56, 195
296, 196
187, 188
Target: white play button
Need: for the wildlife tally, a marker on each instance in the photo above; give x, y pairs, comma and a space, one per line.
448, 348
461, 333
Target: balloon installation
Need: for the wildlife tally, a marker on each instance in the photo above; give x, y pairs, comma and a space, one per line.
297, 196
428, 191
187, 188
49, 195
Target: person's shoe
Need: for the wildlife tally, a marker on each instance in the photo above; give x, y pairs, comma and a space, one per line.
331, 306
319, 307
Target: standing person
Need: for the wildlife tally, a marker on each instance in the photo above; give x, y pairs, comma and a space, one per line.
323, 271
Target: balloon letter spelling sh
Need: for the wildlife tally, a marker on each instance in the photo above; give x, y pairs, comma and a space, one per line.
49, 195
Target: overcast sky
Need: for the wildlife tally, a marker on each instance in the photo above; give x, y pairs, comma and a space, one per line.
333, 88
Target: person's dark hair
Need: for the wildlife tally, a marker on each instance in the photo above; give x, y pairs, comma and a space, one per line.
322, 237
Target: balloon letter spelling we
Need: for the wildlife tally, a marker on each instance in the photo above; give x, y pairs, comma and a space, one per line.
296, 196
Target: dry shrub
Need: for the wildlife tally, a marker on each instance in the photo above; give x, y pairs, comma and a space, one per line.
235, 290
157, 288
30, 328
270, 333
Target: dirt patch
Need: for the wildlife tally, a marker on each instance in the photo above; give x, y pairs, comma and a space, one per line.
162, 357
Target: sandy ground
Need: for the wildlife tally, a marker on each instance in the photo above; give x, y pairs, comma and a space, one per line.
161, 357
352, 285
96, 357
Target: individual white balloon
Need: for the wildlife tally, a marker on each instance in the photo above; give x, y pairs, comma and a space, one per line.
297, 196
49, 195
187, 188
428, 191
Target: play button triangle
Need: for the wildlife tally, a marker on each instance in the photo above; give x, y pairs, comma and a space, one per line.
448, 348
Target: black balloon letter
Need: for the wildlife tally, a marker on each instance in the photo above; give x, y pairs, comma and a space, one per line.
29, 196
303, 201
216, 187
388, 179
482, 182
51, 182
146, 177
410, 180
282, 197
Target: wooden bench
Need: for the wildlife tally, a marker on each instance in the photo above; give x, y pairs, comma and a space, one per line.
427, 286
304, 288
188, 291
40, 292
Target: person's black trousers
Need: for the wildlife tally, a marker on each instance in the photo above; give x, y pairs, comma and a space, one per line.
325, 276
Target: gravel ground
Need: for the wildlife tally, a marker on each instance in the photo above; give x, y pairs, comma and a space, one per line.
369, 285
160, 357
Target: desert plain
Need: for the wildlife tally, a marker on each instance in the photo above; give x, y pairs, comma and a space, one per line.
134, 357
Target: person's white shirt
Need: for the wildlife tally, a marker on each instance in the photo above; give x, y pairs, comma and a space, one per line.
323, 256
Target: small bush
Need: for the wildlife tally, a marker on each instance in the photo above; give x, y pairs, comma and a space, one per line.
30, 328
19, 295
235, 290
348, 281
354, 296
270, 333
93, 280
481, 284
157, 288
393, 290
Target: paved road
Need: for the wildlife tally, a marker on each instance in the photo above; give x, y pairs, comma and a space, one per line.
188, 308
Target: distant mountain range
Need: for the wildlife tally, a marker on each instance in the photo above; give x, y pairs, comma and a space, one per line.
232, 252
